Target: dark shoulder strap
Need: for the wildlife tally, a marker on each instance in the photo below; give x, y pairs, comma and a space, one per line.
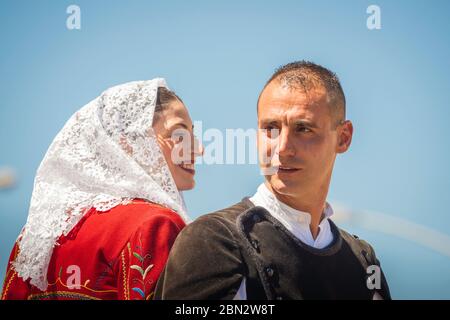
366, 256
361, 249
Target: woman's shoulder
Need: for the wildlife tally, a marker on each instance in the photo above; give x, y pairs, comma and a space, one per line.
125, 219
141, 211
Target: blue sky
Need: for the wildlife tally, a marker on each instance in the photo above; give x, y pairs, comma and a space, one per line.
217, 56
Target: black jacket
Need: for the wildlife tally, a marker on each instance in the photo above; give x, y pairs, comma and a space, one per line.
212, 255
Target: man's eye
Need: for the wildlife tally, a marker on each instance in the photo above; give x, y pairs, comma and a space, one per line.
270, 131
303, 129
269, 128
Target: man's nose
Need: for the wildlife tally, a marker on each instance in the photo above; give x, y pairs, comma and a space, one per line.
285, 147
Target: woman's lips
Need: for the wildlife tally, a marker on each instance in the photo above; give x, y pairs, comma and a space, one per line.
188, 168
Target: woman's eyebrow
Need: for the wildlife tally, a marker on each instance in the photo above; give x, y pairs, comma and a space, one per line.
182, 125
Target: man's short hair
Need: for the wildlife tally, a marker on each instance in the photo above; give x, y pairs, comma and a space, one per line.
306, 75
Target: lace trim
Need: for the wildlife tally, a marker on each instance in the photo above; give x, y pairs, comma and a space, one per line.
105, 155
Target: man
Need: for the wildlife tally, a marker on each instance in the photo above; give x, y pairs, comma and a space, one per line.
281, 243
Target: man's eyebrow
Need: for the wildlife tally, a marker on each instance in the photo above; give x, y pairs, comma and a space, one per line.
305, 123
269, 121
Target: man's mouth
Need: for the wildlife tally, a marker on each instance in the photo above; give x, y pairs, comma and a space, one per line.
188, 167
285, 169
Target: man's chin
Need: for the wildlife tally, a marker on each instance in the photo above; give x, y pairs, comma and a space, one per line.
283, 187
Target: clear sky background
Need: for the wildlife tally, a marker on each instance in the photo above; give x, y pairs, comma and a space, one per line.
217, 55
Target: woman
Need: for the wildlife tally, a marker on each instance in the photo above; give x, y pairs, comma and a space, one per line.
107, 204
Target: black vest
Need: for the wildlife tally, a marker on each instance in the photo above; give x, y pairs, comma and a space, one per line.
212, 255
282, 267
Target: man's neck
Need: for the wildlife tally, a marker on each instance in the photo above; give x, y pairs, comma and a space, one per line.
314, 205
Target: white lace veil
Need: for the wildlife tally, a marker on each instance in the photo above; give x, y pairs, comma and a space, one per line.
106, 155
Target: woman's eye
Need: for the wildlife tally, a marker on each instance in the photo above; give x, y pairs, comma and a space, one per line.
178, 138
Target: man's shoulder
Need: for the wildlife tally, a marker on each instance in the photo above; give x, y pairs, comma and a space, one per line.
219, 222
359, 245
226, 215
366, 255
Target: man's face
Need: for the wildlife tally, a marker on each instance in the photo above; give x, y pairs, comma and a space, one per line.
305, 148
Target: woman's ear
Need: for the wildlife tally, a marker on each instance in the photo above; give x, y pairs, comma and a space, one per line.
345, 134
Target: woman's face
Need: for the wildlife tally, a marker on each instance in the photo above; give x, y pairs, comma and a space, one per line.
174, 130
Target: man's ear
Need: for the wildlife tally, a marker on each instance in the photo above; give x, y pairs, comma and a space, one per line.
345, 134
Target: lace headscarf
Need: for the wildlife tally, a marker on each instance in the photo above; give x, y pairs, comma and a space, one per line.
106, 155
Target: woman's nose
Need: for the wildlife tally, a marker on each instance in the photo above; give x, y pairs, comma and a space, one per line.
198, 148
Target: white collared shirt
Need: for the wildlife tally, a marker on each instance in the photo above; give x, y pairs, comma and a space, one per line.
296, 221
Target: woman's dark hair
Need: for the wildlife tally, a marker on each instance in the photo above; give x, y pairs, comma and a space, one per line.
164, 98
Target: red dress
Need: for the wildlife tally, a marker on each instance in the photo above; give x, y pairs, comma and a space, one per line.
118, 254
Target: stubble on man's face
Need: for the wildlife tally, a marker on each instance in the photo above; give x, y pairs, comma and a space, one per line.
305, 149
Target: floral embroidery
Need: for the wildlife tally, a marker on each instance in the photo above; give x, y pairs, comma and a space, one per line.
140, 284
108, 270
84, 286
126, 292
